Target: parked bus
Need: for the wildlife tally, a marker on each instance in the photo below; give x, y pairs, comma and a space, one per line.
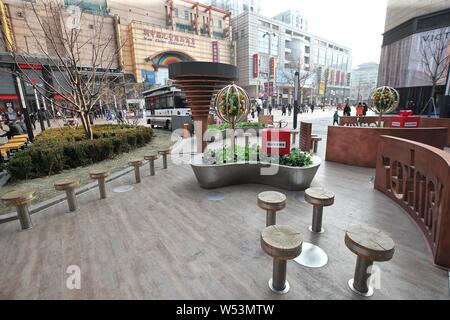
161, 104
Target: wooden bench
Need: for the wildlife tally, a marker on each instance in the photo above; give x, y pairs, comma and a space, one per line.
282, 243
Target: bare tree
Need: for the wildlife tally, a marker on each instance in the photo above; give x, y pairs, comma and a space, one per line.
78, 47
304, 75
435, 59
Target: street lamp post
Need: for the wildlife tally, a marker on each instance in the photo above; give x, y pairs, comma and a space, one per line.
296, 97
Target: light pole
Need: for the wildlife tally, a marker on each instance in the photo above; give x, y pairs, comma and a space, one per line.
296, 97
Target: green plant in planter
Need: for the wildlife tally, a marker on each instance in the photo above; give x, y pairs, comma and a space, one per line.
253, 153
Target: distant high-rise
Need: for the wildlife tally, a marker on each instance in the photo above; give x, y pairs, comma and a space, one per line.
293, 18
363, 82
236, 7
416, 33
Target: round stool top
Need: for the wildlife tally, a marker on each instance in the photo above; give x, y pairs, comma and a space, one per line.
135, 163
162, 152
319, 196
281, 242
151, 157
369, 243
66, 184
99, 174
271, 200
15, 198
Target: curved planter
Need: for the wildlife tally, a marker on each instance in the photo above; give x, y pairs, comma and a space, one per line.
283, 177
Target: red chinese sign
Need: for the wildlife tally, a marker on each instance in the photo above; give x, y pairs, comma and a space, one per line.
165, 37
276, 141
269, 89
255, 65
215, 51
272, 68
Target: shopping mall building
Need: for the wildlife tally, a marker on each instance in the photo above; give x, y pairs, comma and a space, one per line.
414, 27
154, 33
270, 51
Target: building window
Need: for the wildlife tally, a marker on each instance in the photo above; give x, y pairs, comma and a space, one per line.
220, 24
186, 15
263, 41
274, 44
307, 50
175, 12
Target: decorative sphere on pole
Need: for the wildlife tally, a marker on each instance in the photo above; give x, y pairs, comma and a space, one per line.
232, 105
384, 100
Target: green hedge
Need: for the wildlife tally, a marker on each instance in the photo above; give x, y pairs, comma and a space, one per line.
57, 149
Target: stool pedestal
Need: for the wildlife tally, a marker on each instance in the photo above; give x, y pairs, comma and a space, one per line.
137, 172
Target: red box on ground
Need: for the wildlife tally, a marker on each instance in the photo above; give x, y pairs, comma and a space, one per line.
276, 141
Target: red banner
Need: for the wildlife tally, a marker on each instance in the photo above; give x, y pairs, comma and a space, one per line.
272, 68
215, 51
255, 65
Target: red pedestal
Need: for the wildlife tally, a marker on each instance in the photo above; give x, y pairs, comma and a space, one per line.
276, 141
405, 120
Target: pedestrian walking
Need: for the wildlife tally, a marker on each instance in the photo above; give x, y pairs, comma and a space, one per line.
289, 109
283, 110
270, 109
336, 118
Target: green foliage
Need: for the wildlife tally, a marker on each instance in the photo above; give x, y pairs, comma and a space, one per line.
253, 154
57, 149
240, 125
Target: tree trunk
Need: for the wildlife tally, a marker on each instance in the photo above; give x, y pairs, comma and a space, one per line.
87, 125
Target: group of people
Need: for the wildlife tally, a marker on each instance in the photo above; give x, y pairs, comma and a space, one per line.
15, 123
361, 111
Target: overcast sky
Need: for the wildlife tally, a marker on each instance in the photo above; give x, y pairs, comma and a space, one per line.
357, 24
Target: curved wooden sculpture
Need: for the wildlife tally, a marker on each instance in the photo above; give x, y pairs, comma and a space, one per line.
200, 81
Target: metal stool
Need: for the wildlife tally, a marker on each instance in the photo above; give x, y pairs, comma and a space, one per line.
151, 160
282, 243
20, 200
272, 202
136, 164
369, 245
319, 198
164, 154
69, 185
100, 175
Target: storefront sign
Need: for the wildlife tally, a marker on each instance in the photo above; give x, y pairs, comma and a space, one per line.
166, 37
215, 51
255, 65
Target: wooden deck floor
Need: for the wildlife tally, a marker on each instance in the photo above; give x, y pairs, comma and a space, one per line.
166, 240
